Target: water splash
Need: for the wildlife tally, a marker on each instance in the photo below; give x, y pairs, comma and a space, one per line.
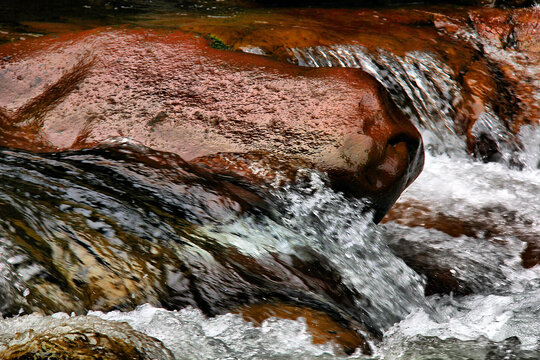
191, 335
336, 227
315, 222
497, 207
461, 186
529, 155
61, 336
494, 317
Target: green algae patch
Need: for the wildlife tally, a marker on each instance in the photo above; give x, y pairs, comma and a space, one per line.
217, 43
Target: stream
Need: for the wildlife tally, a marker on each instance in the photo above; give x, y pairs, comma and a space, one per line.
450, 273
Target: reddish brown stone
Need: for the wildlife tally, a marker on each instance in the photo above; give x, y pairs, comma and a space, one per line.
492, 53
323, 328
526, 29
478, 45
254, 167
489, 223
172, 92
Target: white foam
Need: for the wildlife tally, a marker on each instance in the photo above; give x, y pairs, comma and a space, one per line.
460, 186
327, 224
496, 317
191, 335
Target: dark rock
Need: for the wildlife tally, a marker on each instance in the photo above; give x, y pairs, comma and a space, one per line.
119, 226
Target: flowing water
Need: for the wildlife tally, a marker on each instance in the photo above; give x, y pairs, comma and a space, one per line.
168, 228
499, 321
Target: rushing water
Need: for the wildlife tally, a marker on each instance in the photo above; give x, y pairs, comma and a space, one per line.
429, 92
419, 82
500, 320
182, 240
98, 207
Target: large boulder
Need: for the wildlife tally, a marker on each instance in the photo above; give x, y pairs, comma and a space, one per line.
173, 92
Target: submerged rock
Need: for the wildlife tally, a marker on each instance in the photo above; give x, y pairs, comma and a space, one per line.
470, 236
323, 328
174, 93
493, 235
116, 227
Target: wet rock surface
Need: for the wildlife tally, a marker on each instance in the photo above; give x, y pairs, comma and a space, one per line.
323, 328
487, 60
174, 93
75, 338
118, 226
122, 225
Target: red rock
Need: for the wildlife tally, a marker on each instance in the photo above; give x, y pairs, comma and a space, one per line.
172, 92
489, 223
322, 327
492, 54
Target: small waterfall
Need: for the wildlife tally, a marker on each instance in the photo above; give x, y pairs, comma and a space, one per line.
427, 91
316, 222
123, 225
420, 83
494, 207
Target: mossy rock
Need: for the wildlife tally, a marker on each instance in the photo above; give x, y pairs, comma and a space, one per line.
217, 43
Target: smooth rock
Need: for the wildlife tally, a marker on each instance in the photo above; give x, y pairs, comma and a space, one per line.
84, 87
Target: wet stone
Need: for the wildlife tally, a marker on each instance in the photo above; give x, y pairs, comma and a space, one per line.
75, 338
475, 67
208, 101
323, 328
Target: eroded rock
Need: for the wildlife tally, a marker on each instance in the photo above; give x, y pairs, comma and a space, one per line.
323, 328
172, 92
75, 338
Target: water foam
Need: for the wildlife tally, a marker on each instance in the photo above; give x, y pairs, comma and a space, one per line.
191, 335
314, 221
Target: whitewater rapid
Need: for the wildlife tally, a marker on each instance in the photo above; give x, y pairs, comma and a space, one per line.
500, 319
503, 314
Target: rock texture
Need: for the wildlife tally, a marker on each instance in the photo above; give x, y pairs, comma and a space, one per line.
476, 68
76, 338
322, 326
114, 227
174, 93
